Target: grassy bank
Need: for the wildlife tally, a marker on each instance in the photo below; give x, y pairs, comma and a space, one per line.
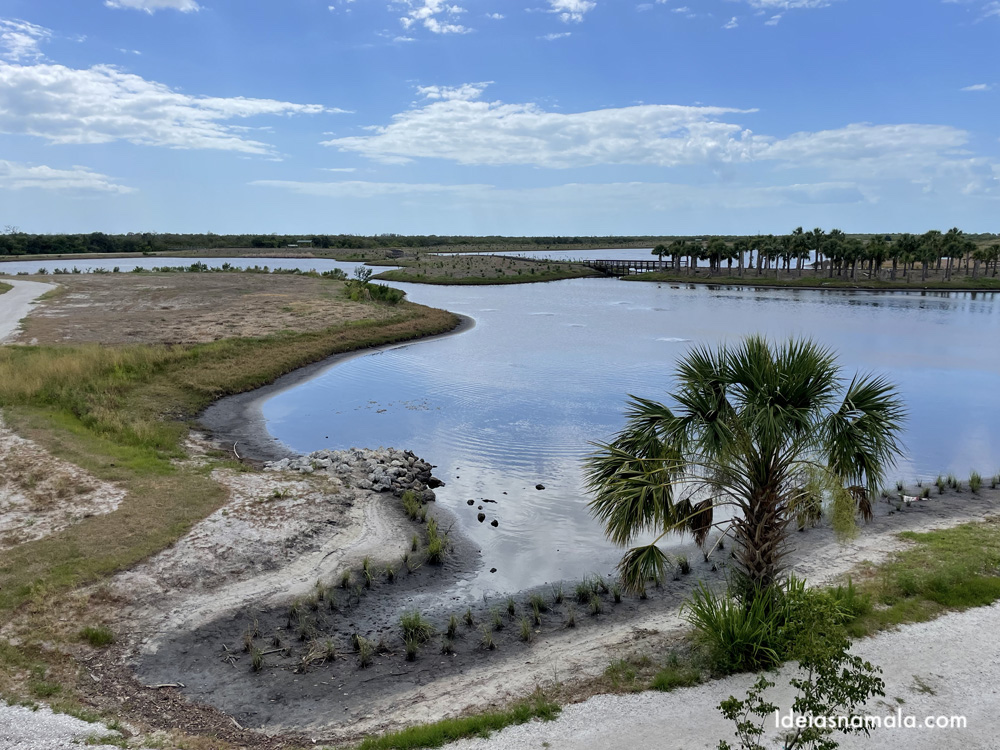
5, 287
823, 282
121, 413
483, 270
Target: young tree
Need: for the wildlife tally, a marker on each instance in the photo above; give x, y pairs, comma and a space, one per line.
756, 427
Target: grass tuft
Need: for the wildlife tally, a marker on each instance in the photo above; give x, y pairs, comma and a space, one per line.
98, 637
449, 730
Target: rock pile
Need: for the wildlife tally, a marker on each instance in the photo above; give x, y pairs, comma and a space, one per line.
380, 470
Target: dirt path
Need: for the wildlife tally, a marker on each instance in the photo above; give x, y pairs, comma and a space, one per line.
935, 669
16, 304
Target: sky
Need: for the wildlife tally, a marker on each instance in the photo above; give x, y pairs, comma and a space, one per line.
535, 117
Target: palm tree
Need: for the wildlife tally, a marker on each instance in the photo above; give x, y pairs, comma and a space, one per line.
757, 427
659, 251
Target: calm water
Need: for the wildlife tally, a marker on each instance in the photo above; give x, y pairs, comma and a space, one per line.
516, 400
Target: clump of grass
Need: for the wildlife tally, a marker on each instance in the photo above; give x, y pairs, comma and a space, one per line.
596, 606
256, 659
571, 617
345, 579
412, 647
926, 493
329, 650
995, 481
366, 652
470, 620
449, 730
675, 676
452, 630
527, 632
899, 485
436, 544
447, 645
98, 636
487, 641
558, 594
975, 482
390, 573
511, 606
496, 619
414, 626
537, 601
583, 592
415, 543
616, 592
412, 505
536, 615
940, 484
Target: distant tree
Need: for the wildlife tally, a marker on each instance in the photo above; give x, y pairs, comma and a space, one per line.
659, 251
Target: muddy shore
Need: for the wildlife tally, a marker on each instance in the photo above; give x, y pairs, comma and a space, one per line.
238, 421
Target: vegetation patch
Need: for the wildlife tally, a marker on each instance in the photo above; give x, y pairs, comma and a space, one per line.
484, 269
449, 730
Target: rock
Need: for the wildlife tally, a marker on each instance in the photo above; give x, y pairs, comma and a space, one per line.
481, 517
364, 484
493, 570
539, 486
494, 523
433, 482
480, 507
428, 496
470, 502
487, 500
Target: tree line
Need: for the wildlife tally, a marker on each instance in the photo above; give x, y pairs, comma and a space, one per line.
836, 253
15, 242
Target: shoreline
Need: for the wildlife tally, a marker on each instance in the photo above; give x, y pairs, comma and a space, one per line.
764, 284
237, 421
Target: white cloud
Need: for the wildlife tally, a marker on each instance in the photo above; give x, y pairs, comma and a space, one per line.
492, 133
469, 131
495, 16
731, 24
151, 6
979, 87
788, 4
19, 40
14, 176
556, 35
466, 92
103, 104
773, 20
610, 197
429, 14
571, 10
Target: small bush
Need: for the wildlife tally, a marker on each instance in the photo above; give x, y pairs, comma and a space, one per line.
975, 482
98, 637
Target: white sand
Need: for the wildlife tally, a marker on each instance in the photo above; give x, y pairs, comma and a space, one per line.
948, 667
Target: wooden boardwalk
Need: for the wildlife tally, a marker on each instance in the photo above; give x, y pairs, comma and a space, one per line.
630, 267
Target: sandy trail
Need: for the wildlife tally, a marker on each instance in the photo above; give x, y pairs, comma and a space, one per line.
936, 669
16, 304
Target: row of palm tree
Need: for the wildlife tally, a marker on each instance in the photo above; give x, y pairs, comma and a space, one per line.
837, 253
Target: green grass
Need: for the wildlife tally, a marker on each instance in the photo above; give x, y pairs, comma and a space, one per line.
5, 287
675, 676
944, 570
449, 730
98, 637
557, 274
121, 414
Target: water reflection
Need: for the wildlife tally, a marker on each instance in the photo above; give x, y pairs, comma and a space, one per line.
515, 401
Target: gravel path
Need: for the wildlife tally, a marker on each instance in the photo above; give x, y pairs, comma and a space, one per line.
24, 729
16, 304
950, 666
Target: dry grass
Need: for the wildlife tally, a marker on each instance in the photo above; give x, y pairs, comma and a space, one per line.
187, 308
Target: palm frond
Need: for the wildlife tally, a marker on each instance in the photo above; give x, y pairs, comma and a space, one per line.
641, 565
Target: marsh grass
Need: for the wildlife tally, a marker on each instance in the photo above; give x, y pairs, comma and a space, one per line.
366, 653
470, 620
452, 630
486, 641
511, 606
558, 594
975, 482
479, 725
415, 627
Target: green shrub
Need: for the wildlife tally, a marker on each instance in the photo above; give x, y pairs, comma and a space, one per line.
98, 637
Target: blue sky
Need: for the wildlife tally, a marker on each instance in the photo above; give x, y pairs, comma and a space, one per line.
573, 117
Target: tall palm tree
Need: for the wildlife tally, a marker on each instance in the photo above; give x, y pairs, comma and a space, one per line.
757, 427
